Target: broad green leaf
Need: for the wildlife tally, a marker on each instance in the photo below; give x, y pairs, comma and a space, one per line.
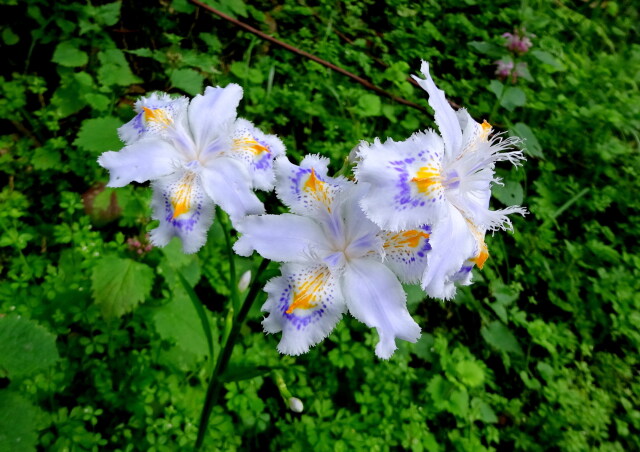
487, 48
242, 371
25, 347
99, 135
179, 321
114, 69
68, 54
547, 58
107, 14
369, 105
18, 423
119, 285
470, 373
9, 37
187, 80
500, 337
509, 194
513, 97
496, 88
531, 144
483, 411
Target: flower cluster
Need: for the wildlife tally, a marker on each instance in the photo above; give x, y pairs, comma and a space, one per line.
417, 212
518, 43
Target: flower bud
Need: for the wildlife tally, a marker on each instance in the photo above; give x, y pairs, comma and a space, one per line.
295, 405
245, 279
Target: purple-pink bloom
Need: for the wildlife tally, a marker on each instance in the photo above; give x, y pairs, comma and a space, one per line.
519, 41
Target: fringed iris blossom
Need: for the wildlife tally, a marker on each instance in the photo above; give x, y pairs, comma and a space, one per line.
443, 181
197, 154
333, 261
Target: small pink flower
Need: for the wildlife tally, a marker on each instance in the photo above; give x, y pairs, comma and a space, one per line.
505, 68
519, 41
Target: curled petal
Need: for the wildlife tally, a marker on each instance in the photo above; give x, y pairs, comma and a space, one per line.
375, 297
407, 181
406, 252
211, 113
257, 150
305, 303
282, 238
453, 243
228, 183
142, 161
157, 116
307, 189
183, 209
445, 115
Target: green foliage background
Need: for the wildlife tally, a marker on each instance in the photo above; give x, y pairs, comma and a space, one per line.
100, 346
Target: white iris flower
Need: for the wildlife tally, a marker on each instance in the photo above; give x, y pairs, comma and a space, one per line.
197, 154
441, 180
333, 261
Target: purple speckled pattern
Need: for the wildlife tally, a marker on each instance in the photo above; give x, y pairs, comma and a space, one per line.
302, 318
265, 160
406, 195
183, 224
137, 123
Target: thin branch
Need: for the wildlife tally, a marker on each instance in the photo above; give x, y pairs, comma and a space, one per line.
367, 84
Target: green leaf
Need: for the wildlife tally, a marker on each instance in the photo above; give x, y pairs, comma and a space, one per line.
187, 80
18, 423
531, 144
99, 135
9, 37
496, 88
67, 54
107, 14
500, 337
487, 48
547, 58
25, 347
179, 321
114, 69
241, 371
369, 105
513, 97
470, 373
119, 285
509, 194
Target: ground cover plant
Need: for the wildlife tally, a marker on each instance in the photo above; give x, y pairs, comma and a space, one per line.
102, 346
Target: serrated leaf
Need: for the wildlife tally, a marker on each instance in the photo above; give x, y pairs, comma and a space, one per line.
25, 347
513, 97
470, 373
107, 14
119, 285
99, 135
500, 337
114, 69
18, 423
67, 54
187, 80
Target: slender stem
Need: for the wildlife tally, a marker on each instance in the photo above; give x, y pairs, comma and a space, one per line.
215, 384
233, 281
367, 84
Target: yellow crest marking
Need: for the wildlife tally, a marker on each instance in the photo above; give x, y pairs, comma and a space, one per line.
248, 143
182, 197
427, 179
157, 115
306, 295
409, 238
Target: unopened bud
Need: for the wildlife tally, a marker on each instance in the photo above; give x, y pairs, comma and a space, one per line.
295, 405
245, 279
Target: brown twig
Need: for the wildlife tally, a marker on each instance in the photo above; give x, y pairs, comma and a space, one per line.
367, 84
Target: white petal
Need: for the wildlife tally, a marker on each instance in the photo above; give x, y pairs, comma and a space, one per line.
406, 252
142, 161
306, 189
283, 238
304, 303
183, 209
406, 181
228, 183
375, 297
157, 115
213, 111
445, 115
452, 244
257, 150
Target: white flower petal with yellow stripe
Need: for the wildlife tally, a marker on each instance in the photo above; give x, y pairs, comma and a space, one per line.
305, 304
199, 154
443, 182
331, 246
406, 252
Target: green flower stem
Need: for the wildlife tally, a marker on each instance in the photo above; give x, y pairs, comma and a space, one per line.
233, 281
215, 383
